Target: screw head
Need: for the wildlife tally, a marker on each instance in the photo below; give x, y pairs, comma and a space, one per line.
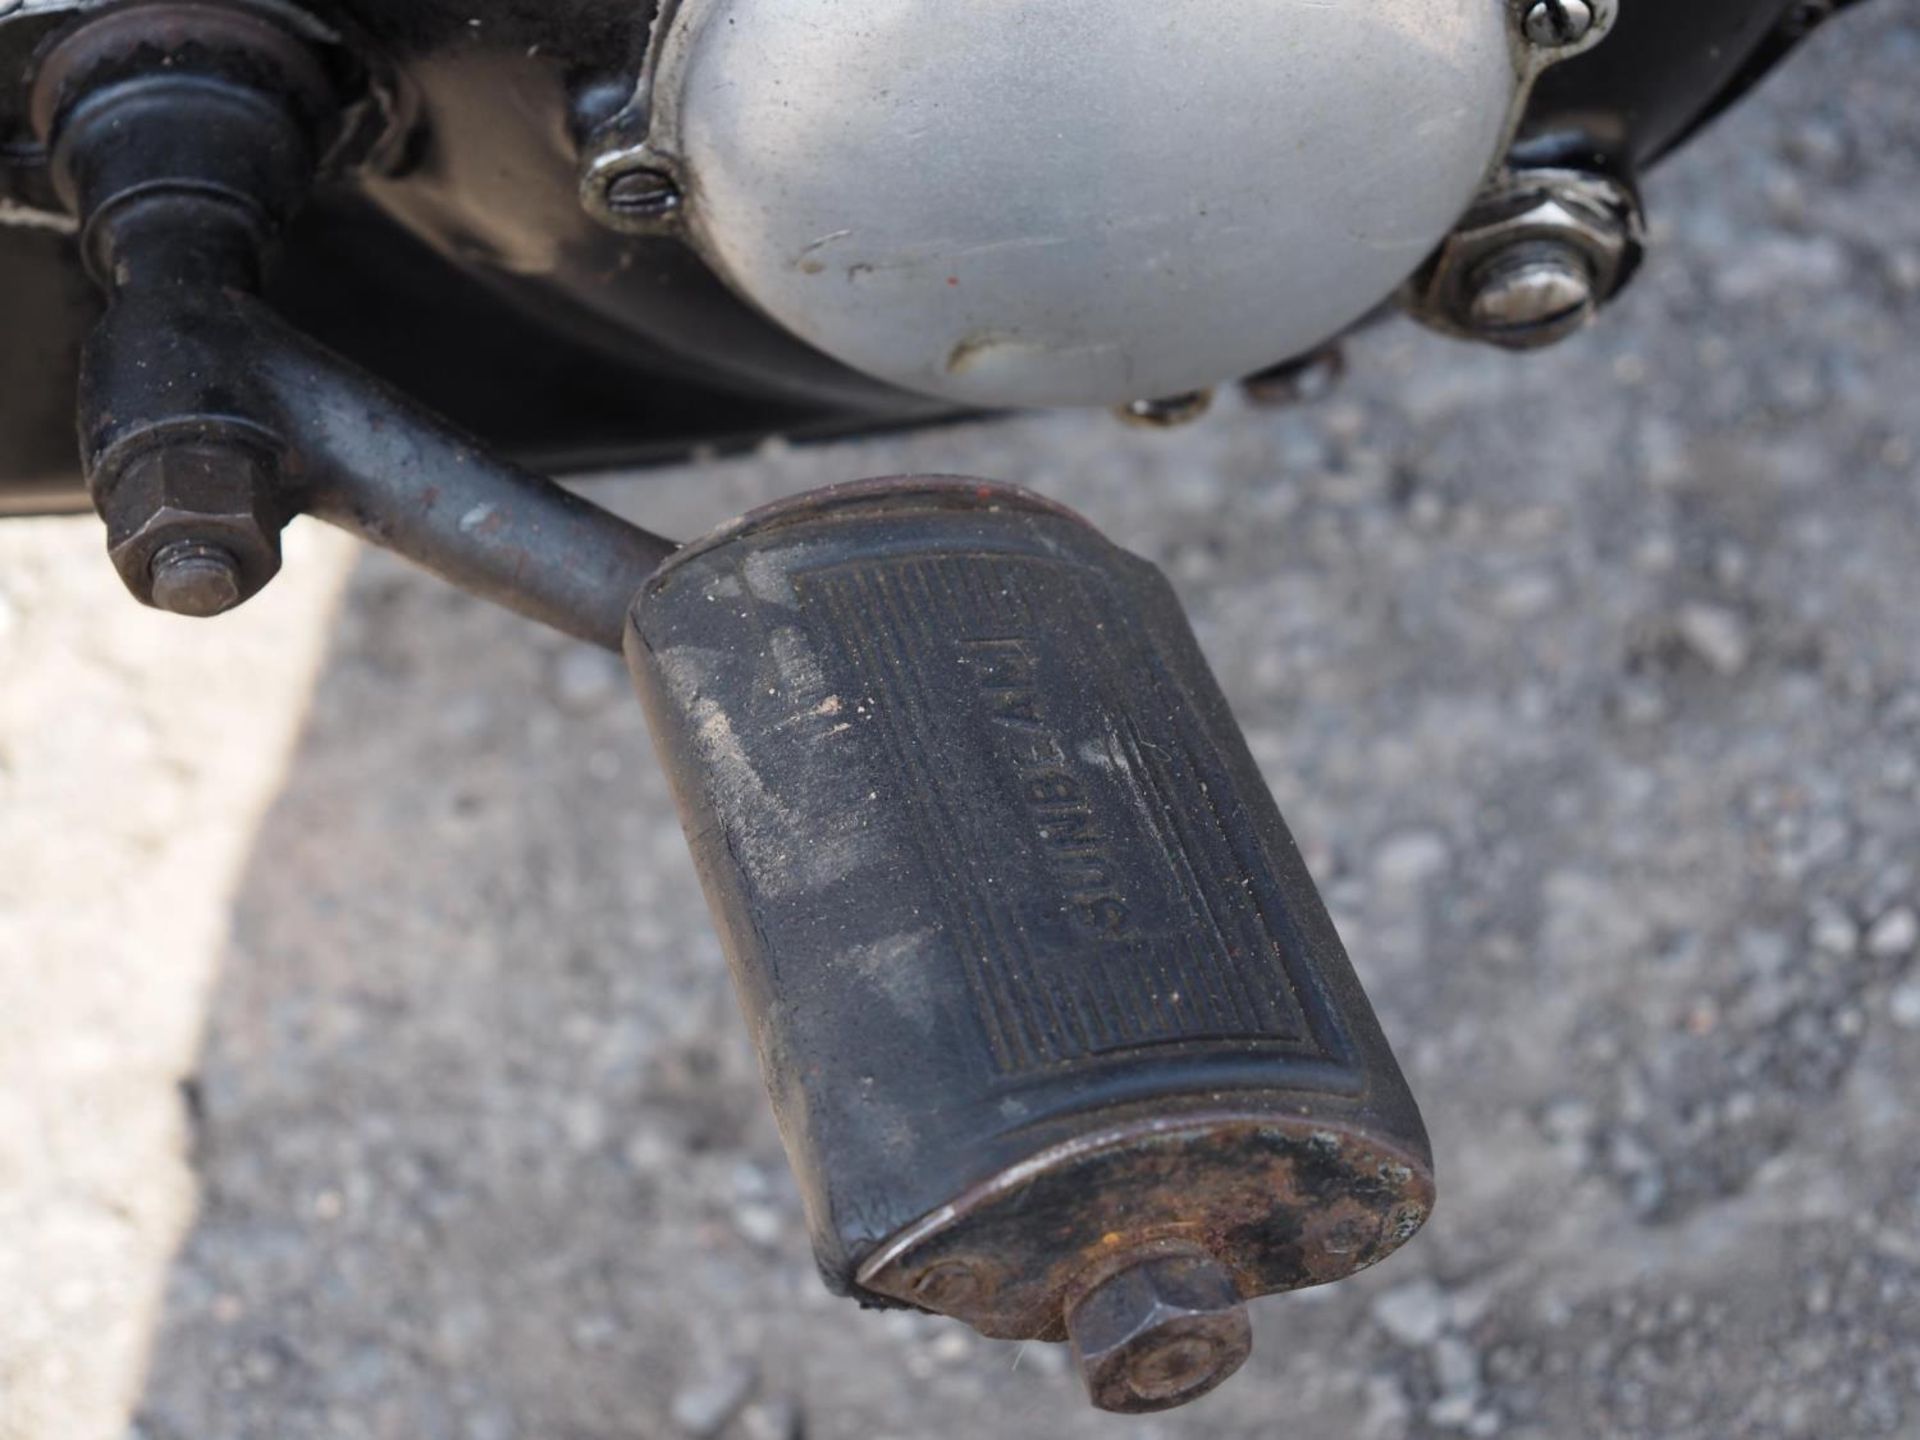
1552, 24
194, 578
948, 1286
643, 195
1160, 1333
628, 188
1534, 294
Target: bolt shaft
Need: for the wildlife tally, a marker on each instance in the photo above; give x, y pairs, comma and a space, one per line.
1532, 295
194, 578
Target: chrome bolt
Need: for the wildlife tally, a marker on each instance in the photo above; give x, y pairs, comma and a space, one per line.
194, 578
1534, 294
1533, 261
1553, 24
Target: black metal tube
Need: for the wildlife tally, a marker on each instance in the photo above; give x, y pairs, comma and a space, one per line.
362, 456
206, 420
210, 364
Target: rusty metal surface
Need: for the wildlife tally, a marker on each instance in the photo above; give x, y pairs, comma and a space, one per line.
1281, 1204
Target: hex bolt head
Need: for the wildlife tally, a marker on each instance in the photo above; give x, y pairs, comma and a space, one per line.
1552, 24
1159, 1333
192, 578
1534, 294
193, 526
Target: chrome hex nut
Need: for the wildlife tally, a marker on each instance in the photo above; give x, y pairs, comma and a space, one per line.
1533, 261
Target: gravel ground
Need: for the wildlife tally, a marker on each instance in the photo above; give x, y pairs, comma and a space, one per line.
368, 1068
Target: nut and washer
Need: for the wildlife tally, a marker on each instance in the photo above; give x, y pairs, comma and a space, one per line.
1161, 1332
193, 526
1533, 261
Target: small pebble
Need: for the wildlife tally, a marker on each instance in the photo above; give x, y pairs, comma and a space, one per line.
586, 677
1835, 933
1782, 265
1413, 1314
775, 1419
1387, 1411
1526, 595
1456, 1369
951, 1346
704, 1408
1638, 703
1894, 934
1410, 857
1817, 145
1904, 268
1049, 1360
759, 1222
1717, 635
1452, 1412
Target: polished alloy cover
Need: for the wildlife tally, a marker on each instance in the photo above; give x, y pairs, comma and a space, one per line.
1076, 201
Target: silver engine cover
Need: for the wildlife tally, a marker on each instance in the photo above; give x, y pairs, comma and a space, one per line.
1070, 202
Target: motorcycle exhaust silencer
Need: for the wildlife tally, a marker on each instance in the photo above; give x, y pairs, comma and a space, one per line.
1059, 1035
